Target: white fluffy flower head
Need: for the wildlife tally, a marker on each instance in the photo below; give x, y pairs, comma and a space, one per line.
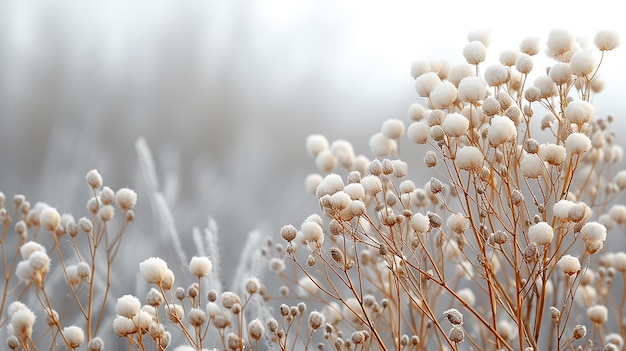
200, 266
153, 269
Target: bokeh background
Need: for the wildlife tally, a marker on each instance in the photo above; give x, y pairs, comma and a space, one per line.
225, 93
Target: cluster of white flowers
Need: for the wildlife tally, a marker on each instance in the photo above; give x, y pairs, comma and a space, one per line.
509, 204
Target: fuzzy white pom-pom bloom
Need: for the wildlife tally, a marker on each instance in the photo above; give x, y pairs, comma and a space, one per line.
74, 336
554, 154
475, 52
484, 36
583, 63
371, 184
620, 179
39, 262
311, 182
426, 83
472, 89
532, 166
416, 112
28, 248
393, 128
326, 161
470, 158
458, 72
94, 179
502, 130
577, 143
316, 143
276, 264
127, 306
200, 266
380, 145
508, 57
420, 223
560, 41
344, 152
106, 213
455, 125
126, 198
598, 314
355, 190
561, 73
256, 329
491, 106
312, 232
419, 68
524, 64
546, 86
331, 184
561, 209
619, 261
400, 168
530, 45
458, 223
443, 95
593, 231
340, 200
22, 322
569, 264
541, 233
123, 326
153, 269
50, 219
606, 40
418, 132
497, 74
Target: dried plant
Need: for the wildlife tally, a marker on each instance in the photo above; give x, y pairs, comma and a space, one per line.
502, 249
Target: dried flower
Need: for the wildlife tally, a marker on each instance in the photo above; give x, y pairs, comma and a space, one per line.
456, 334
454, 316
74, 336
606, 40
569, 264
455, 125
94, 179
541, 233
256, 329
469, 158
153, 270
126, 199
502, 130
200, 266
127, 306
598, 314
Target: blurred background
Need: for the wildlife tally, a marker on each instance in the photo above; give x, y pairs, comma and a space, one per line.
225, 93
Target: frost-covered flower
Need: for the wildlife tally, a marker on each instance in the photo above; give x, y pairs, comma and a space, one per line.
153, 269
470, 158
455, 125
475, 52
126, 199
200, 266
502, 130
315, 144
606, 40
74, 336
541, 233
597, 314
127, 306
569, 264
